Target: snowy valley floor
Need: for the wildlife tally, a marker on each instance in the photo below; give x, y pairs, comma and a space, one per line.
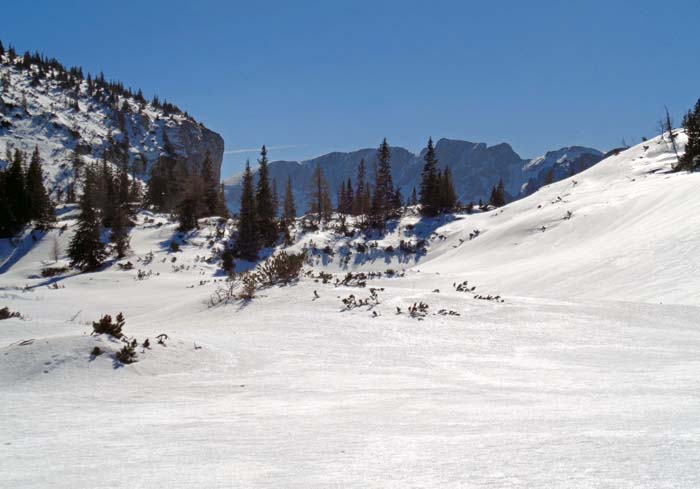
290, 392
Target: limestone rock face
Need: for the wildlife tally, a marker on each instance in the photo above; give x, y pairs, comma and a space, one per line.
36, 114
192, 141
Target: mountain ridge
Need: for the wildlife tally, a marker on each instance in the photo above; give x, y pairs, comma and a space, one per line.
476, 169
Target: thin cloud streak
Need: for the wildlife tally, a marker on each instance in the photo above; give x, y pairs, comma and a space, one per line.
269, 148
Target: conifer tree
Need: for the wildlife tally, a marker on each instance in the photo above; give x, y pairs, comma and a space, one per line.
228, 263
414, 197
40, 206
6, 217
120, 232
86, 250
498, 195
211, 187
221, 207
275, 198
340, 208
192, 206
266, 214
16, 195
691, 123
361, 204
349, 197
248, 242
447, 194
320, 201
384, 201
290, 210
430, 184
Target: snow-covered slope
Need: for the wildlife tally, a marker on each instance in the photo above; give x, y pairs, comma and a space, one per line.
476, 169
583, 374
59, 119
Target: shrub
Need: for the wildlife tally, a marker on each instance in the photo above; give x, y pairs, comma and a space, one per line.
5, 313
106, 326
53, 271
127, 354
280, 268
249, 287
174, 247
96, 352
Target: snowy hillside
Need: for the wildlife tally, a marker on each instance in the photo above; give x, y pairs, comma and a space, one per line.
553, 343
476, 169
60, 119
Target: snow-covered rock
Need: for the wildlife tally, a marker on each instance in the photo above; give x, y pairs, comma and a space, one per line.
42, 112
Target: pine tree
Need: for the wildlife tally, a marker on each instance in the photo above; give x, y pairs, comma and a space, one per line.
266, 214
340, 208
192, 206
691, 123
384, 201
349, 197
86, 250
320, 201
414, 197
290, 210
16, 194
221, 207
40, 206
498, 195
211, 187
275, 198
430, 184
6, 217
120, 232
447, 194
361, 204
228, 263
248, 242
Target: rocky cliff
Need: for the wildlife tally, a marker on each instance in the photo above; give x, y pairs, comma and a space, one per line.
59, 111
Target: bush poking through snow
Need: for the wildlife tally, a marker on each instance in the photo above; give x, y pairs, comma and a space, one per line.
249, 286
127, 354
281, 268
96, 352
5, 313
106, 326
53, 271
418, 310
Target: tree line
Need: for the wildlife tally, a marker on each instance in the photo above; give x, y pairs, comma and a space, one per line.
374, 200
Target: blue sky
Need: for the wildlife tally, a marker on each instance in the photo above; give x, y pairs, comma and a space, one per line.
309, 77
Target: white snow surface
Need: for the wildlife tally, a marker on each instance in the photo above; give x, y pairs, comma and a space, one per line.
586, 376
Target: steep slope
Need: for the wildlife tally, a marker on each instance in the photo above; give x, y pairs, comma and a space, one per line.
476, 169
626, 229
61, 112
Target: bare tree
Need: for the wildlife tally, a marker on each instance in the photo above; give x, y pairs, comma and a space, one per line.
667, 127
55, 251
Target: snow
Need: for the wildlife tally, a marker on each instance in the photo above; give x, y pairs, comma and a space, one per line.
50, 123
587, 375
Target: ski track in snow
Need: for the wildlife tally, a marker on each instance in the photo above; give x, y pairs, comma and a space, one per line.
586, 376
